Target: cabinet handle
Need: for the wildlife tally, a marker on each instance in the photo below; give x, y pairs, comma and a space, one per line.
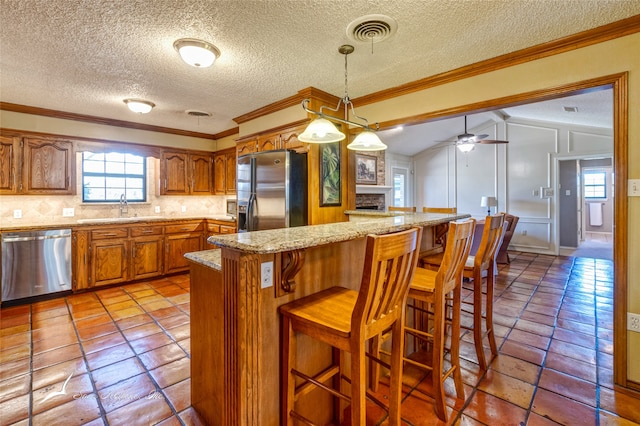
134, 252
147, 231
109, 235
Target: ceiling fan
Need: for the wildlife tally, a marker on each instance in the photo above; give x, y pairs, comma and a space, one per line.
466, 141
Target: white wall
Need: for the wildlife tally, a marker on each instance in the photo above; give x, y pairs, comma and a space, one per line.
512, 172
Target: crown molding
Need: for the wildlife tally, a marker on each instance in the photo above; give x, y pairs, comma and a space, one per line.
99, 120
576, 41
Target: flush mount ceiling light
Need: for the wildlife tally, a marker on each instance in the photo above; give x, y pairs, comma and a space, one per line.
139, 105
322, 130
196, 53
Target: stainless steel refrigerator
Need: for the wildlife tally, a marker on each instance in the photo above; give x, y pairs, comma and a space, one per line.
272, 190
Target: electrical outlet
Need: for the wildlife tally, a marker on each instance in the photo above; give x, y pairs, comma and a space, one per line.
633, 322
183, 209
17, 214
156, 209
266, 274
68, 212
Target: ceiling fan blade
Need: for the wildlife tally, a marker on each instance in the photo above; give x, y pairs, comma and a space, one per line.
480, 137
491, 141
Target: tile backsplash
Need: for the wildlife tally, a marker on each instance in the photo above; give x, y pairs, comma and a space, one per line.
48, 209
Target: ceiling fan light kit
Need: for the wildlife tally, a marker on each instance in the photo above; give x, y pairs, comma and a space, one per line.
197, 53
139, 106
466, 141
321, 130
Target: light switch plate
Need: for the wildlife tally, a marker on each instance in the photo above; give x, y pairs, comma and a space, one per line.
68, 212
156, 209
17, 214
634, 188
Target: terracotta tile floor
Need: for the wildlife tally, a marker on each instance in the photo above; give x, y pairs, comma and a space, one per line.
120, 356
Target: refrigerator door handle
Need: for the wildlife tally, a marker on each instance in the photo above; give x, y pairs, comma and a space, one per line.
250, 225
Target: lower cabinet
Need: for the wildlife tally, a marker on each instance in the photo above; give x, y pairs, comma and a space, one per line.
177, 246
146, 257
106, 256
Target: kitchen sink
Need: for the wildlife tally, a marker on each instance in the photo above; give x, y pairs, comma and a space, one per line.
119, 219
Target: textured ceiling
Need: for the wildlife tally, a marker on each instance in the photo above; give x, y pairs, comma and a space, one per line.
86, 56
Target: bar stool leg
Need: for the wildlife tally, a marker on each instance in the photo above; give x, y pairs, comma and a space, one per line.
477, 318
397, 355
287, 378
489, 313
358, 385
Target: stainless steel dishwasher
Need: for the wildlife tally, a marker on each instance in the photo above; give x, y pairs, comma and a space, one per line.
35, 263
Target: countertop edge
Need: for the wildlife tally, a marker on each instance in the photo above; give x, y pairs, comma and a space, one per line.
287, 239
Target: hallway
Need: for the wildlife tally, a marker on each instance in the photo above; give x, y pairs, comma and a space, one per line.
120, 356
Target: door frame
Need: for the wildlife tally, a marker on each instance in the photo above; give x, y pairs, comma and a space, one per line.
620, 87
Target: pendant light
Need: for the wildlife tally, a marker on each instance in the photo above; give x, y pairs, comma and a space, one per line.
322, 130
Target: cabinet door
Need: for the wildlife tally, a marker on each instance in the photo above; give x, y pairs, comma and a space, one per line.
8, 164
109, 261
176, 246
201, 174
246, 147
230, 170
174, 179
268, 142
220, 172
47, 166
290, 140
146, 257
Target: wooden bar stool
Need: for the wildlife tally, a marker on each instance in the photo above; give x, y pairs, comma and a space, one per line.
434, 288
402, 209
477, 267
346, 320
447, 210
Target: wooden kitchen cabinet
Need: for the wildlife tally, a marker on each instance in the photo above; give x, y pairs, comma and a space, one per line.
36, 166
109, 261
246, 147
286, 138
80, 265
47, 166
9, 147
224, 165
146, 257
215, 227
183, 173
180, 239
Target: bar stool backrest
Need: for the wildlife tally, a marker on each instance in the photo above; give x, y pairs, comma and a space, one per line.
492, 235
402, 209
449, 210
390, 261
459, 241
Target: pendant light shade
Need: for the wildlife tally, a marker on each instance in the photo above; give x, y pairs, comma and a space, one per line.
196, 53
367, 141
321, 130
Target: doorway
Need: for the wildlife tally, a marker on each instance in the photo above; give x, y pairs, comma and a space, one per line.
585, 204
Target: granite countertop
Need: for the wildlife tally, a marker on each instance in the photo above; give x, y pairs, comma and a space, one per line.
285, 239
71, 222
210, 258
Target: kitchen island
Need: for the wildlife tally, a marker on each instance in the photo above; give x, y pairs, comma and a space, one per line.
235, 325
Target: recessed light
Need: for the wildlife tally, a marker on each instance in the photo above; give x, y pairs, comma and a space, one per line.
197, 53
139, 105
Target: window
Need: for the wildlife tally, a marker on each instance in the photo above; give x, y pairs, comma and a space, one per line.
106, 176
595, 185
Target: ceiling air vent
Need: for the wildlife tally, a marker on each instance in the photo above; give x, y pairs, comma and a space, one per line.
372, 28
196, 113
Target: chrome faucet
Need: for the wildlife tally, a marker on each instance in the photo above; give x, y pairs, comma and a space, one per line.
124, 206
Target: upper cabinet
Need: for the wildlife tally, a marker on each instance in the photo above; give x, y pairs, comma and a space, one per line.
183, 173
33, 165
9, 147
284, 139
225, 171
47, 166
